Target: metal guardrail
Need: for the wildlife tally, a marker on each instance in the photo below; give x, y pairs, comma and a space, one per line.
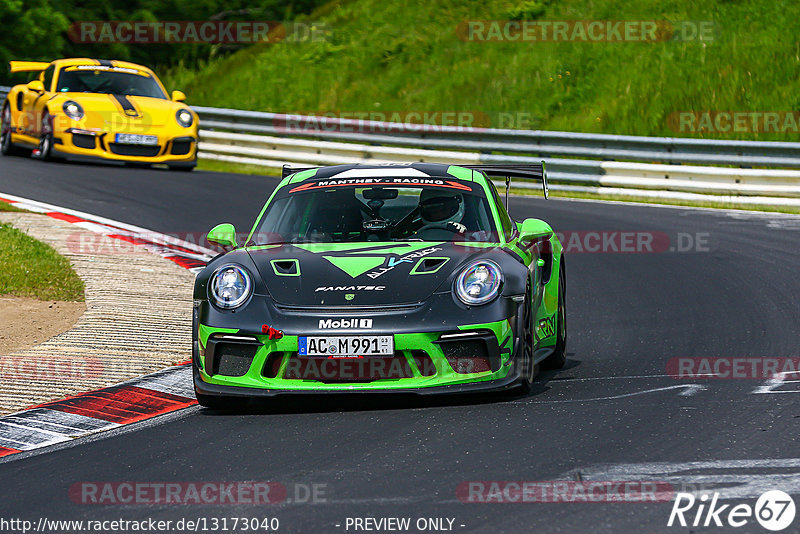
538, 143
272, 139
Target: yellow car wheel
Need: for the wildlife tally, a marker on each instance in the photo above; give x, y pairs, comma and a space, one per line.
6, 148
45, 150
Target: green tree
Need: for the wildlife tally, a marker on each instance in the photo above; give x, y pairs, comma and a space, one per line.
38, 29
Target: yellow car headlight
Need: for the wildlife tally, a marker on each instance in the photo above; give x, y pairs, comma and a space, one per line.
73, 110
184, 117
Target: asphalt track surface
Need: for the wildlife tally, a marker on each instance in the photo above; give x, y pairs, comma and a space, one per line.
609, 415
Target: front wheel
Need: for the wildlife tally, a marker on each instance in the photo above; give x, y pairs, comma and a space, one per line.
528, 371
44, 151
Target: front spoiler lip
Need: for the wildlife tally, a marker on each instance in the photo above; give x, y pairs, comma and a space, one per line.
114, 158
501, 384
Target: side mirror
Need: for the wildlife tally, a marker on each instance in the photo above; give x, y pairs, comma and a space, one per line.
178, 96
223, 235
36, 86
534, 229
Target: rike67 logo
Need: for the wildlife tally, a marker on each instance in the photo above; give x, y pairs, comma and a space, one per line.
774, 510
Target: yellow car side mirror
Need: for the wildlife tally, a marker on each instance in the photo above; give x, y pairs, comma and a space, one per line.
36, 86
178, 96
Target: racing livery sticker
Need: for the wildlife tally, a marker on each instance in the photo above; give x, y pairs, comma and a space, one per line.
353, 322
395, 261
350, 288
547, 326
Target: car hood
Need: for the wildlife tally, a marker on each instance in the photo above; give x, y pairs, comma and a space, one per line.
105, 111
360, 274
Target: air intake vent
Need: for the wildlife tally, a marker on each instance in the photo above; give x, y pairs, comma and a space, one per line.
83, 140
230, 355
286, 267
181, 147
147, 151
474, 351
234, 359
429, 265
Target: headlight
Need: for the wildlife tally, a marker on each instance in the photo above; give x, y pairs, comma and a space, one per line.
231, 286
184, 117
73, 110
479, 283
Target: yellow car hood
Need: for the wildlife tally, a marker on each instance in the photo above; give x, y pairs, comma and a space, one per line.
121, 113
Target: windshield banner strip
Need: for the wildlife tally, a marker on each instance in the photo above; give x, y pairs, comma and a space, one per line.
394, 182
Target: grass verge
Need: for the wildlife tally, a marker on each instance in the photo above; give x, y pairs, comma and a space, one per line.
30, 268
385, 57
213, 165
5, 206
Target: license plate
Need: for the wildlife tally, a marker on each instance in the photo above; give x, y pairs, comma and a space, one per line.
346, 346
136, 139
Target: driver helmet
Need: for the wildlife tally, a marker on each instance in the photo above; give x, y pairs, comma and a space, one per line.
438, 206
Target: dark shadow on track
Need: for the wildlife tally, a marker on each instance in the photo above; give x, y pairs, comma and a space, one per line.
98, 163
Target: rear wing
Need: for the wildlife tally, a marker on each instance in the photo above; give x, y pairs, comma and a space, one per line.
289, 170
533, 171
27, 66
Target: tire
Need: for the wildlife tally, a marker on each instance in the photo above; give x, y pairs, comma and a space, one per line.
558, 359
6, 147
46, 139
528, 372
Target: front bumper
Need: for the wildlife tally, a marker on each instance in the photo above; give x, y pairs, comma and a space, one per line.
478, 357
87, 145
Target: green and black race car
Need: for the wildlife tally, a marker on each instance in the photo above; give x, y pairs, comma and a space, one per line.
381, 278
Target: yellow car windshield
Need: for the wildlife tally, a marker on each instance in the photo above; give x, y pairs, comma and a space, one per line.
115, 82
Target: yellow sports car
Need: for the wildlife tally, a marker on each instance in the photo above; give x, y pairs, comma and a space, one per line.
95, 108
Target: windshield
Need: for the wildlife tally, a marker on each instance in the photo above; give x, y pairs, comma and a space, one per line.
314, 213
117, 81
